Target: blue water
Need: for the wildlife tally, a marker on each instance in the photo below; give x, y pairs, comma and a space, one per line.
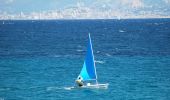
39, 59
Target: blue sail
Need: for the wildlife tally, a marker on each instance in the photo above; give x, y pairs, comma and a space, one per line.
88, 71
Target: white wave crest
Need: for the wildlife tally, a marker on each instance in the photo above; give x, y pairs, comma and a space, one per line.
121, 31
108, 55
98, 61
79, 50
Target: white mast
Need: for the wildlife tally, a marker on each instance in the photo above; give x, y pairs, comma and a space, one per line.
93, 59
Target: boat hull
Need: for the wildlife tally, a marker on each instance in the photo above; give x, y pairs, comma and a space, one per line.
97, 86
91, 86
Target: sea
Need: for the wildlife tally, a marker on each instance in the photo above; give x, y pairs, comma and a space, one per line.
40, 59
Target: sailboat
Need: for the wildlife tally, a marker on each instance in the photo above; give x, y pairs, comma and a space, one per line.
88, 73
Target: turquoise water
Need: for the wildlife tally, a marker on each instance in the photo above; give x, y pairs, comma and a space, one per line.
40, 59
46, 78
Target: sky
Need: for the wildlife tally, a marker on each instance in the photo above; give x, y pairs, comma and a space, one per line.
161, 7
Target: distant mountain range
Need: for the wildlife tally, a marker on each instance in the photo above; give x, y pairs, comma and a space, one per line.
97, 12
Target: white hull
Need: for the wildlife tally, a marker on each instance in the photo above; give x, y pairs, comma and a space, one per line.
90, 86
97, 86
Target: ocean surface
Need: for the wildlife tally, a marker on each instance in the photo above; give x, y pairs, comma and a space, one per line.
40, 59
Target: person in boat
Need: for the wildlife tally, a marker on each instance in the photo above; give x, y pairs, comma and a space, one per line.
79, 81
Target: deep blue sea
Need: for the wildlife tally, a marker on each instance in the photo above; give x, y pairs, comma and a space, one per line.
38, 59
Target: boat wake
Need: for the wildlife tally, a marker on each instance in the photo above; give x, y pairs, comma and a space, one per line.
59, 88
53, 88
69, 88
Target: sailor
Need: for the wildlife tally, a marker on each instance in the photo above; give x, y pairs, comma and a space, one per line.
79, 81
